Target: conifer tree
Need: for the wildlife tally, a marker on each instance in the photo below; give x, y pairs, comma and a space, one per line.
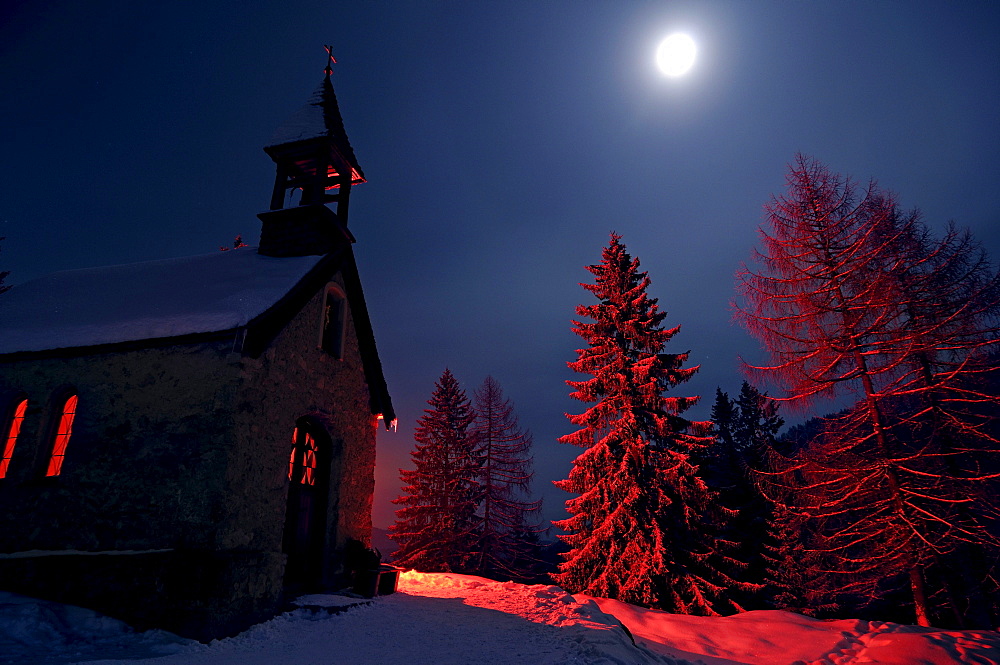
848, 293
435, 528
742, 431
638, 530
795, 577
756, 423
723, 422
504, 460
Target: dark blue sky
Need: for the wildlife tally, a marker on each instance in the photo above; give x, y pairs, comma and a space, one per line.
502, 142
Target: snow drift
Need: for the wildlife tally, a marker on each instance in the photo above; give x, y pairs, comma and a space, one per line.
446, 619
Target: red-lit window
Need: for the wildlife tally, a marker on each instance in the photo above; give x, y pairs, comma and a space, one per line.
309, 460
15, 428
291, 458
63, 432
302, 462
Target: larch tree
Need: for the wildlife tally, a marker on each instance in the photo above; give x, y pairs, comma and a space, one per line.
436, 526
943, 405
504, 459
640, 527
847, 295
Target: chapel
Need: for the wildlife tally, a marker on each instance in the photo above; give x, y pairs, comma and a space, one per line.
189, 443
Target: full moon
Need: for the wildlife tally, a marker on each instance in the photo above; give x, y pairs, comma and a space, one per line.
675, 54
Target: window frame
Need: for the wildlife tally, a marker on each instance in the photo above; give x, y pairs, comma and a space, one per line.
13, 422
61, 431
333, 336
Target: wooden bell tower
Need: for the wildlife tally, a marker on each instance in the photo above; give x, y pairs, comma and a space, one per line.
316, 168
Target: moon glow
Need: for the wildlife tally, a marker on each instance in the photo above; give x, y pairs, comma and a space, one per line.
675, 54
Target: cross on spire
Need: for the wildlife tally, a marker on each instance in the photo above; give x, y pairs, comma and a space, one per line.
330, 60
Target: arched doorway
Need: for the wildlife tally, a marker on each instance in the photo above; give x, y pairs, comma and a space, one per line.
306, 519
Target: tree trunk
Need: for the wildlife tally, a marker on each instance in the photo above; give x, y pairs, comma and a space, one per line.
919, 596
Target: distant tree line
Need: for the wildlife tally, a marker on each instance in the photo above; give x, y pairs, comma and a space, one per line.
465, 505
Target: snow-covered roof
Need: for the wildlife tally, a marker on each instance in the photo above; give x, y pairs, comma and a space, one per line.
308, 122
149, 300
319, 118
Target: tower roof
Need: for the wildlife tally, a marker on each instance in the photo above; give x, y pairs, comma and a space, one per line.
319, 119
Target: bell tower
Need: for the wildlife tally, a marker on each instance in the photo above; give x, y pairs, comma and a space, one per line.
316, 168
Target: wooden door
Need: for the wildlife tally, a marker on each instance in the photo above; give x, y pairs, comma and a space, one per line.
305, 520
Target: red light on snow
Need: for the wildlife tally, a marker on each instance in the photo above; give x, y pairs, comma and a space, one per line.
62, 436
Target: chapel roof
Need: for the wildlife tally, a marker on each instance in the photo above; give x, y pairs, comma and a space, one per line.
149, 300
169, 301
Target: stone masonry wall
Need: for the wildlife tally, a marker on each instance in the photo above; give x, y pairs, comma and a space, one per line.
295, 378
145, 464
177, 471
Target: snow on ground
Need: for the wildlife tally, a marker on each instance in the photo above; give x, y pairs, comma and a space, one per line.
443, 619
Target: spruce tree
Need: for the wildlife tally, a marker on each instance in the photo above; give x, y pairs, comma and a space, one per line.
719, 463
639, 530
794, 571
742, 431
504, 460
435, 528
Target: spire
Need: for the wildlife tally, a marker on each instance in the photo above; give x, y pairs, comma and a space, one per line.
316, 166
319, 119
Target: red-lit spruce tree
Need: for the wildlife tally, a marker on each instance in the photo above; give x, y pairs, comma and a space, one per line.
435, 528
504, 459
849, 294
640, 529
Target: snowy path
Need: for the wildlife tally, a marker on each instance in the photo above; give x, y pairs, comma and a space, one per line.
406, 630
458, 619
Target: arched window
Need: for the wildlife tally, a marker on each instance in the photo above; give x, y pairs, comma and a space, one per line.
12, 429
334, 321
62, 433
302, 463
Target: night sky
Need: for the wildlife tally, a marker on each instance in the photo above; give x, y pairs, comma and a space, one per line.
502, 142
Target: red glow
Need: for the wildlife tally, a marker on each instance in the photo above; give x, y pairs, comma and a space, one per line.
307, 167
309, 460
380, 418
15, 429
62, 436
291, 458
307, 445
